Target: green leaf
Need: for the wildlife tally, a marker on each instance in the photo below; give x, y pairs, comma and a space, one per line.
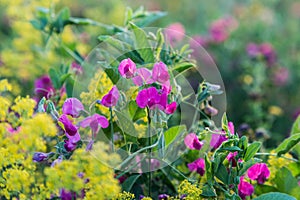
208, 170
222, 174
225, 123
142, 44
40, 107
136, 112
251, 150
183, 66
161, 146
54, 78
160, 43
172, 133
208, 191
288, 144
61, 20
275, 196
148, 18
129, 182
231, 149
248, 164
125, 123
63, 78
262, 189
114, 42
295, 130
286, 183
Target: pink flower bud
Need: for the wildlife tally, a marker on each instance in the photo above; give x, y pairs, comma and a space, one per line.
127, 68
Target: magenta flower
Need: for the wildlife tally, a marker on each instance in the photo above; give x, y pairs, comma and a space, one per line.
77, 68
151, 98
231, 158
144, 76
69, 128
217, 140
170, 109
253, 50
268, 52
163, 197
111, 98
174, 33
72, 106
43, 87
245, 188
95, 122
231, 128
127, 68
221, 28
280, 76
192, 141
67, 195
198, 166
160, 73
40, 156
259, 172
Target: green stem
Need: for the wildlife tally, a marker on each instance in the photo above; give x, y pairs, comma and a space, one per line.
149, 152
111, 129
274, 154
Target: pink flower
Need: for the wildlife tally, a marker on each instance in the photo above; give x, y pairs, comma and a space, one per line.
253, 50
77, 68
231, 158
174, 33
192, 141
69, 128
43, 87
111, 98
144, 76
127, 68
72, 106
198, 166
217, 140
280, 76
160, 73
268, 52
170, 109
259, 172
245, 188
231, 128
220, 29
95, 122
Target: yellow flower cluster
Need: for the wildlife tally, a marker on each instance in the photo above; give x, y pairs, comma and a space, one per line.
97, 178
192, 191
24, 107
124, 196
276, 163
5, 86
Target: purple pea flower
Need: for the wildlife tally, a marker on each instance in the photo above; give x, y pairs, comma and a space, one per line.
170, 109
43, 87
259, 172
111, 98
127, 68
231, 158
72, 106
245, 188
67, 195
231, 128
160, 73
144, 76
40, 156
77, 68
268, 52
198, 166
217, 140
163, 197
192, 141
174, 33
57, 161
69, 128
95, 122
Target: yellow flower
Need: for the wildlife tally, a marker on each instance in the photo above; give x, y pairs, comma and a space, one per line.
275, 110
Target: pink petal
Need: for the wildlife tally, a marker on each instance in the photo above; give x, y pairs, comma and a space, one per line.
231, 127
142, 98
170, 109
160, 73
127, 68
192, 141
69, 127
72, 106
143, 76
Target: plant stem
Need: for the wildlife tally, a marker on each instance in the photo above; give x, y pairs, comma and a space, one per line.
149, 152
274, 154
111, 129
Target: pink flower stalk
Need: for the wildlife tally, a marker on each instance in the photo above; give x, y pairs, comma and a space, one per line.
111, 98
198, 166
160, 73
43, 87
127, 68
192, 141
245, 188
72, 106
174, 33
259, 172
280, 76
95, 122
144, 76
69, 128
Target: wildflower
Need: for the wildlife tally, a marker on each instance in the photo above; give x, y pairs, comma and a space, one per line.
72, 106
71, 142
69, 128
192, 141
160, 73
268, 52
127, 68
170, 109
40, 156
253, 50
198, 166
77, 68
43, 87
174, 33
111, 98
211, 111
217, 140
221, 28
245, 188
259, 172
67, 195
280, 76
163, 197
231, 158
143, 76
231, 128
95, 122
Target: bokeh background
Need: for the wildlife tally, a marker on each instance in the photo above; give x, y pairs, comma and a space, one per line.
255, 44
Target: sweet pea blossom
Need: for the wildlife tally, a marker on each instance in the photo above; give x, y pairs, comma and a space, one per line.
43, 87
69, 128
72, 106
111, 98
95, 122
163, 197
198, 166
40, 156
143, 76
259, 172
127, 68
245, 188
170, 109
192, 141
174, 33
218, 139
160, 73
231, 158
